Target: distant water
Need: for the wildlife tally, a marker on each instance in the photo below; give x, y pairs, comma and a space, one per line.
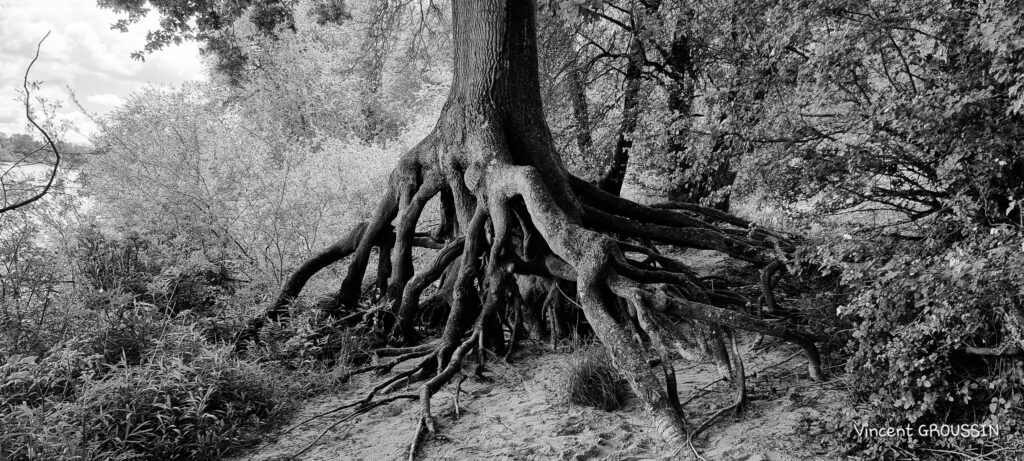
26, 169
39, 173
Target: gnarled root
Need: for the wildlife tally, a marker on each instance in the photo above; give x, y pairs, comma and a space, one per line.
521, 238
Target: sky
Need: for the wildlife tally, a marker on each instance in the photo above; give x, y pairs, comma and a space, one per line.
84, 54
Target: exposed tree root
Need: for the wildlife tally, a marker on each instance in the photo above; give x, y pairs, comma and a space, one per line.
739, 404
359, 410
458, 391
409, 303
517, 230
768, 282
998, 351
396, 351
491, 248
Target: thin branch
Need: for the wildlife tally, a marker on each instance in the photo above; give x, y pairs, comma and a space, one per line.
49, 140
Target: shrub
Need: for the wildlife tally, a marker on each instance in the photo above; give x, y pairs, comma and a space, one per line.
919, 312
31, 288
168, 273
33, 381
109, 263
125, 331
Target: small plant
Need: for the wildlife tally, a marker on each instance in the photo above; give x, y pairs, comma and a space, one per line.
590, 380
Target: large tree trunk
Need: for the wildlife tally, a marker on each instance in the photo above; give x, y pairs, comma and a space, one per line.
495, 151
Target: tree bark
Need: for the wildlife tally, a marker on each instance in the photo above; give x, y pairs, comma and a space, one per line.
580, 107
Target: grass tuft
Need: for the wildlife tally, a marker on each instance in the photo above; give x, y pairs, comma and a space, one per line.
591, 380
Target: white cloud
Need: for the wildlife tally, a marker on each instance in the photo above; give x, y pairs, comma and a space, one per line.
82, 53
105, 99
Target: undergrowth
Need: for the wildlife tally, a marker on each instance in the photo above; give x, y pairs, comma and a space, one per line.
137, 362
919, 315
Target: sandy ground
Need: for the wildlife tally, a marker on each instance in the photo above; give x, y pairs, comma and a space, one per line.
519, 413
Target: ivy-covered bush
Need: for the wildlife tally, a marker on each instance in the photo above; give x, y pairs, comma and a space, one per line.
934, 337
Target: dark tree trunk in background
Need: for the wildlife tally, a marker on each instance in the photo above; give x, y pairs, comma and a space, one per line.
562, 58
580, 109
612, 181
680, 106
691, 186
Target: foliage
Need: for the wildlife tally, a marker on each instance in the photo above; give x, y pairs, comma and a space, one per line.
183, 172
891, 107
130, 358
170, 408
33, 280
893, 130
123, 292
14, 147
118, 370
370, 79
925, 318
309, 340
208, 22
186, 402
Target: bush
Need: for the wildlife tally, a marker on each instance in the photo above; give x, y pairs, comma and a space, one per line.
37, 396
195, 284
125, 331
134, 364
110, 263
590, 380
31, 288
919, 312
167, 273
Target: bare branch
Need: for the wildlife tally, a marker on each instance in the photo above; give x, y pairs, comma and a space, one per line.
49, 140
